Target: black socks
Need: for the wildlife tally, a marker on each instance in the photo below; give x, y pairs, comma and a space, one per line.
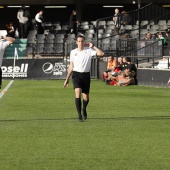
78, 107
85, 103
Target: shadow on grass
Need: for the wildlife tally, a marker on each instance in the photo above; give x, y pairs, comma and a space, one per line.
99, 118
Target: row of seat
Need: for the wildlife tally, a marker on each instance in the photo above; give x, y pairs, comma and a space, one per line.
45, 48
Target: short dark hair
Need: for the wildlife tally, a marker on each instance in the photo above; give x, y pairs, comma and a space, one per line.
80, 36
128, 59
111, 57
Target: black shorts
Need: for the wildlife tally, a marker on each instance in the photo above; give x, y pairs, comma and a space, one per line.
82, 81
0, 78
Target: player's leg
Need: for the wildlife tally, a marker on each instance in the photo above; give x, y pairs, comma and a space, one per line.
78, 90
78, 102
85, 93
85, 103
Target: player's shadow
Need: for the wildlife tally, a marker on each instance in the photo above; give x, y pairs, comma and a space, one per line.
92, 118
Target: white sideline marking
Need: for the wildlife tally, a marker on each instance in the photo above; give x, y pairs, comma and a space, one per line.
6, 88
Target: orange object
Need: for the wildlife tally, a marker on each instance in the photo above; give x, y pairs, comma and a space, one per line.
111, 64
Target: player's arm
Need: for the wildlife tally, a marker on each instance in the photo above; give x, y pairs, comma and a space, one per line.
70, 70
98, 51
9, 39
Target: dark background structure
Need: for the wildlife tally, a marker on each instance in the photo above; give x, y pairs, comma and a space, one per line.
88, 10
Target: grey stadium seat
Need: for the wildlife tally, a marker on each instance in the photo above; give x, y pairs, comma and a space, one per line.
155, 27
58, 47
105, 44
49, 41
29, 49
162, 22
61, 36
91, 31
89, 36
71, 36
64, 27
144, 22
163, 27
110, 23
102, 23
40, 38
128, 27
50, 36
48, 48
84, 23
108, 31
113, 44
39, 48
70, 45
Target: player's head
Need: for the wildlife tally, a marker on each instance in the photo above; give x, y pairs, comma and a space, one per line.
80, 41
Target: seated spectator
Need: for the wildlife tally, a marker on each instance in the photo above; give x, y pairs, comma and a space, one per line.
131, 68
127, 76
111, 65
124, 78
124, 64
112, 75
120, 62
10, 30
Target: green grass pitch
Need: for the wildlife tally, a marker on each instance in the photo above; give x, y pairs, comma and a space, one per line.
128, 128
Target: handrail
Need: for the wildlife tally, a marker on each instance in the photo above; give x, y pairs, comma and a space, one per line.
144, 47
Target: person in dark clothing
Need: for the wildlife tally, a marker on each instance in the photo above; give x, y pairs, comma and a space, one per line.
125, 18
132, 68
10, 30
117, 21
124, 65
73, 22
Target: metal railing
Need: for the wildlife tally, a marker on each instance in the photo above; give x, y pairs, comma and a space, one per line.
150, 12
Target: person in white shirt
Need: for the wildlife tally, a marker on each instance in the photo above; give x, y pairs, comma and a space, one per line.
23, 16
39, 21
80, 64
4, 42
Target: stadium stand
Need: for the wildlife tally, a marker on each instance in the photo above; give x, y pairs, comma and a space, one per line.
56, 39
